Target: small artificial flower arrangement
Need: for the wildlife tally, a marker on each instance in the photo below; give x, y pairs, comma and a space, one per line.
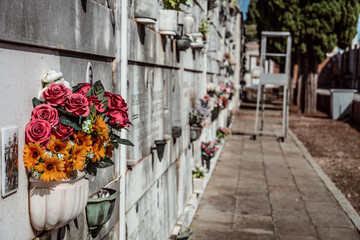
73, 129
208, 149
222, 132
212, 89
175, 4
199, 171
200, 115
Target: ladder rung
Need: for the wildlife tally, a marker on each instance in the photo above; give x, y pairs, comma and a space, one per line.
276, 54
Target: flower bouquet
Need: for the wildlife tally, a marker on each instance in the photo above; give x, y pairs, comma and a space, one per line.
71, 131
198, 178
208, 151
222, 133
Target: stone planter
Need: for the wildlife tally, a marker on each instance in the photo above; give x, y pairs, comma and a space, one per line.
198, 41
198, 185
195, 133
340, 102
183, 43
168, 22
55, 204
205, 161
146, 11
99, 210
188, 23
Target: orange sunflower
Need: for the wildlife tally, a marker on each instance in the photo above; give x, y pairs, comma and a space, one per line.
32, 154
84, 140
52, 168
68, 167
101, 128
78, 157
57, 146
109, 150
98, 149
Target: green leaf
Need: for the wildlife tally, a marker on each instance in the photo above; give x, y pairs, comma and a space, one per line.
64, 120
125, 142
91, 169
105, 162
92, 110
76, 88
36, 102
115, 144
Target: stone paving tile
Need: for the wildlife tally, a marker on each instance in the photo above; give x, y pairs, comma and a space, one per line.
292, 222
337, 233
328, 215
267, 190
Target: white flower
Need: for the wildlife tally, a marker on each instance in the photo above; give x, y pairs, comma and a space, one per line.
50, 76
60, 155
63, 81
90, 155
35, 174
49, 153
85, 128
72, 143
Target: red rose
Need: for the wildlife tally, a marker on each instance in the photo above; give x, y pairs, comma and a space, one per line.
118, 118
38, 130
116, 102
47, 113
56, 94
77, 104
84, 90
62, 132
98, 105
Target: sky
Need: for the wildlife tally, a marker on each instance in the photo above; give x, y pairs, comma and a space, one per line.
244, 6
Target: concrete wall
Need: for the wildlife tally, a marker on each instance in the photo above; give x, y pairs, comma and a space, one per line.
65, 36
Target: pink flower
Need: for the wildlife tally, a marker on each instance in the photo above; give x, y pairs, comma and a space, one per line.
97, 102
47, 113
84, 90
77, 104
56, 94
118, 118
116, 102
38, 130
62, 132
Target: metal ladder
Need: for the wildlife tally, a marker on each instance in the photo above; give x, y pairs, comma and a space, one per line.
279, 79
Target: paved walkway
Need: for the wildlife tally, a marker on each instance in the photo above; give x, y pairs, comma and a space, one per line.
264, 189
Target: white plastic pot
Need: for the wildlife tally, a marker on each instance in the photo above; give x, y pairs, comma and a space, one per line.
55, 204
188, 23
198, 40
146, 11
198, 185
168, 22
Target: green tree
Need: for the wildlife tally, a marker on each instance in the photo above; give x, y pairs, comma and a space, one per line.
316, 28
252, 17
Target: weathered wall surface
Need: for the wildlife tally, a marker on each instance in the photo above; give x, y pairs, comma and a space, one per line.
66, 36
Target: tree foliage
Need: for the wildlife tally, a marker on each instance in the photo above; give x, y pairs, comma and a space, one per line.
316, 28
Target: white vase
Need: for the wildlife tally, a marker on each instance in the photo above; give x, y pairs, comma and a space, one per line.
198, 40
55, 204
146, 11
168, 22
198, 185
188, 23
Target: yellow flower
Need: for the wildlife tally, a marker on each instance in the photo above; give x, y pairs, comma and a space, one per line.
101, 128
78, 157
57, 146
32, 153
84, 140
68, 167
52, 168
98, 149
